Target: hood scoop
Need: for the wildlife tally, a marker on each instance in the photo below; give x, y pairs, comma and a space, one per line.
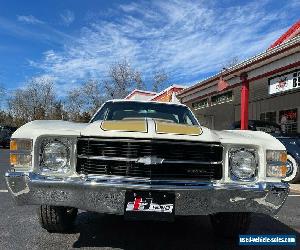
178, 129
141, 125
125, 126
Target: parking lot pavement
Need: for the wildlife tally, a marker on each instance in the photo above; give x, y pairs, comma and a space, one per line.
19, 228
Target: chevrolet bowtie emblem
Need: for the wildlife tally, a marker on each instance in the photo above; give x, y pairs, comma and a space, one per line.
150, 160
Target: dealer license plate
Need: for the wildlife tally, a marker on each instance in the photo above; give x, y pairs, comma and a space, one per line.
145, 205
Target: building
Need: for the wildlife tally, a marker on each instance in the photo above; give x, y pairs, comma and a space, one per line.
166, 95
264, 87
140, 95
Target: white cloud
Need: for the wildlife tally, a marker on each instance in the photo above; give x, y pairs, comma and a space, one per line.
68, 17
42, 33
188, 39
29, 19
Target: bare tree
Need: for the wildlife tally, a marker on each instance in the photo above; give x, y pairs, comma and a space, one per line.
58, 112
93, 95
137, 78
159, 80
74, 103
38, 99
33, 102
83, 101
6, 118
122, 78
3, 95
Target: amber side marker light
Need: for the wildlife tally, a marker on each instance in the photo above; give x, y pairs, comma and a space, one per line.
13, 159
20, 154
276, 163
283, 157
283, 170
13, 145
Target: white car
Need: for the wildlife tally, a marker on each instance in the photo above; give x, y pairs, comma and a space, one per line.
146, 160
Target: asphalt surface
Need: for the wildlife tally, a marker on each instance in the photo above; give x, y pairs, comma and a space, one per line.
19, 228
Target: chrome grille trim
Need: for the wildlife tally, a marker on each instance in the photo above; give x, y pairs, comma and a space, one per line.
108, 158
146, 158
211, 144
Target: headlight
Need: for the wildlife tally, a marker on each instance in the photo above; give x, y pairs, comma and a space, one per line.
276, 163
20, 154
243, 163
55, 156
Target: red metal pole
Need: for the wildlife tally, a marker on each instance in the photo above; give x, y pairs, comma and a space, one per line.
244, 101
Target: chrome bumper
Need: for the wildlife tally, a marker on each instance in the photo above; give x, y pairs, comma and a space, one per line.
107, 195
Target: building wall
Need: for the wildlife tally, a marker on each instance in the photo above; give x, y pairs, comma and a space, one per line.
216, 117
221, 116
166, 95
261, 102
235, 79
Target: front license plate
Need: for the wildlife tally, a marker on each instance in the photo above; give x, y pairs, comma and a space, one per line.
149, 205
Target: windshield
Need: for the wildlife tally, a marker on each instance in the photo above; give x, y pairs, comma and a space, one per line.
136, 110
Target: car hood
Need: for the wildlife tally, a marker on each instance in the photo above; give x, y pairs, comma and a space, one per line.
148, 129
38, 128
285, 135
248, 137
288, 138
138, 129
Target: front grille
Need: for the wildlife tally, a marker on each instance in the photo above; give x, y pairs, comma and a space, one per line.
154, 159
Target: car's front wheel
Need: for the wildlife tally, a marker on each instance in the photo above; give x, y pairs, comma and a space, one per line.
293, 173
57, 219
230, 224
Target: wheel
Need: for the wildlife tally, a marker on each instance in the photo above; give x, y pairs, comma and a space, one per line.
230, 224
57, 219
293, 173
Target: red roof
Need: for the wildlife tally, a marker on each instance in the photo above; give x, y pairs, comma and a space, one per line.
166, 94
292, 32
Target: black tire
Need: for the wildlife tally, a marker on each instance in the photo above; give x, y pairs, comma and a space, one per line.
57, 219
230, 225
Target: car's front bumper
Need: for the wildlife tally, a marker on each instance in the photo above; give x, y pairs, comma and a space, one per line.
107, 195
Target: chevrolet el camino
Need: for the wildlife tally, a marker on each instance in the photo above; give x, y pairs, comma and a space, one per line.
146, 160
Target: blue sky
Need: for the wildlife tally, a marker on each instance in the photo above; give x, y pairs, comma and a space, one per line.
73, 40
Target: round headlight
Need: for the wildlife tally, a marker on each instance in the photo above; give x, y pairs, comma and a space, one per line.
243, 164
55, 157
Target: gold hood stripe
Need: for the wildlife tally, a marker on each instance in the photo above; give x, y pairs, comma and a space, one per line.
126, 126
178, 129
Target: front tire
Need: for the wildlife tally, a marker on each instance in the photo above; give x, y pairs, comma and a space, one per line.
294, 176
57, 219
230, 225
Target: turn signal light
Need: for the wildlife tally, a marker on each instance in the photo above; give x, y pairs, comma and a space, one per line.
283, 157
20, 145
13, 159
276, 163
13, 145
20, 154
